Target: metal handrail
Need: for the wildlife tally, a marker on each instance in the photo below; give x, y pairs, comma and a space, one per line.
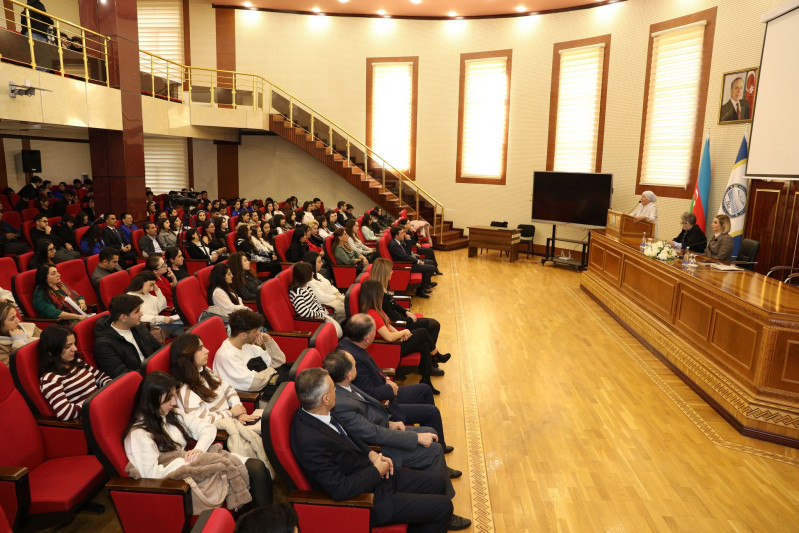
88, 38
194, 76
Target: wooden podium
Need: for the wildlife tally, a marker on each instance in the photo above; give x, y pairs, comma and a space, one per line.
623, 225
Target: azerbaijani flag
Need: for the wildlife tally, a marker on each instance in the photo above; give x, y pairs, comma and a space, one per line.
702, 189
734, 202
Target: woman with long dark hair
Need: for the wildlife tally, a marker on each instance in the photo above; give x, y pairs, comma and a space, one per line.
344, 254
279, 223
299, 244
245, 284
355, 243
221, 294
174, 261
371, 302
203, 393
144, 286
50, 297
158, 426
92, 241
324, 291
64, 378
302, 296
366, 228
44, 254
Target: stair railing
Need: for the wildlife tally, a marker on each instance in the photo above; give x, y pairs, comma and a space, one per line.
231, 89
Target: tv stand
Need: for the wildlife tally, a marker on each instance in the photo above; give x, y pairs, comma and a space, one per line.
549, 255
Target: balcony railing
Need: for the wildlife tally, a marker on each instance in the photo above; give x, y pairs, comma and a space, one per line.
45, 42
162, 78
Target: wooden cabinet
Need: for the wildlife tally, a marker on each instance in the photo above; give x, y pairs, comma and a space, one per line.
772, 218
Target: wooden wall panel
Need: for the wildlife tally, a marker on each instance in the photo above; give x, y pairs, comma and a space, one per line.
735, 340
654, 292
694, 313
596, 259
612, 265
783, 374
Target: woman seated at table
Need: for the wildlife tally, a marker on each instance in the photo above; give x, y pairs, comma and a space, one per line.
721, 245
691, 237
64, 379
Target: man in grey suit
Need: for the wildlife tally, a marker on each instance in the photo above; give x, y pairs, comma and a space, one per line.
366, 418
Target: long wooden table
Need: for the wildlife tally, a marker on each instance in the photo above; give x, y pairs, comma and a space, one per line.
495, 238
732, 336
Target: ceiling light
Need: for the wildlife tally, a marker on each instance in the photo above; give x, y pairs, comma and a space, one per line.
247, 4
452, 14
416, 1
343, 1
315, 9
381, 11
521, 9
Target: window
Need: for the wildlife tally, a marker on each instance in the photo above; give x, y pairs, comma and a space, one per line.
680, 51
391, 92
161, 31
166, 165
483, 117
577, 115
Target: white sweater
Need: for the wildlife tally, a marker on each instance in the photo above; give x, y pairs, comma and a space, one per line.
222, 301
152, 306
230, 364
143, 453
225, 398
324, 290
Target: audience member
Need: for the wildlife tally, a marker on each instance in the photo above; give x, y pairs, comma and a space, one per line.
250, 359
148, 244
13, 333
65, 379
355, 243
121, 342
164, 278
43, 254
108, 263
127, 228
11, 242
398, 253
113, 237
41, 230
326, 294
174, 261
162, 327
92, 241
343, 466
221, 296
245, 284
53, 299
158, 426
299, 244
302, 297
197, 249
344, 254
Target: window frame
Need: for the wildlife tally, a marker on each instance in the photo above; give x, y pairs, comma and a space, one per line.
554, 96
494, 54
414, 60
666, 191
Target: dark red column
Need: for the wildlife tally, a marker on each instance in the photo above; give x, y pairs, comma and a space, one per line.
118, 156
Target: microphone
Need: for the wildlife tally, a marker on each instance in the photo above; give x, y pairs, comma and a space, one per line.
636, 205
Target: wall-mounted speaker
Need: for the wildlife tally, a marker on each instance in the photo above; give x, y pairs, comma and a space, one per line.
31, 161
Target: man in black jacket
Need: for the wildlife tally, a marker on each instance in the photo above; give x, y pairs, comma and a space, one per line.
121, 342
343, 466
39, 23
399, 253
41, 230
113, 237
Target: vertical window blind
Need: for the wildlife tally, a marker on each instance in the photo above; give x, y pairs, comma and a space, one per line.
166, 165
674, 90
161, 30
579, 99
392, 113
485, 116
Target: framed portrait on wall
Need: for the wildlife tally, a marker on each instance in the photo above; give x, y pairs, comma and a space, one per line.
738, 96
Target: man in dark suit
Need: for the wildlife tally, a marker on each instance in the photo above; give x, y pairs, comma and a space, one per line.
426, 254
366, 418
343, 466
398, 253
736, 108
113, 238
411, 404
148, 244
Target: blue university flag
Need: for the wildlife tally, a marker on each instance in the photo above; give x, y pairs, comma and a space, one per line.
734, 202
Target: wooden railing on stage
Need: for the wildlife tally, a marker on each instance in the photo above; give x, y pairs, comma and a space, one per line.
732, 336
624, 225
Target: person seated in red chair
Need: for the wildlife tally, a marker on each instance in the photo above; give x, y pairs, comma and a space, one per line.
11, 241
113, 237
107, 263
13, 333
344, 467
364, 417
41, 230
399, 253
427, 254
412, 404
65, 380
122, 342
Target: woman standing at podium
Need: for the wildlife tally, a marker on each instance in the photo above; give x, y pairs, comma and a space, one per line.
647, 210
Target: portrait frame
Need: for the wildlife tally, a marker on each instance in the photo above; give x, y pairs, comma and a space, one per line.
727, 113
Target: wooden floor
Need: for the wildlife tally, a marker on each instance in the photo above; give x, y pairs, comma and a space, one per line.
562, 421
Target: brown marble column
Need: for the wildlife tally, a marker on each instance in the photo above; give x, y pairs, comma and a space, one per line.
118, 156
227, 169
227, 153
3, 170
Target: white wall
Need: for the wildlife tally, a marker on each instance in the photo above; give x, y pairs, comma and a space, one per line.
61, 161
205, 166
322, 60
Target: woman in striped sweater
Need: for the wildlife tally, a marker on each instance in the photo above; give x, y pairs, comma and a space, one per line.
302, 296
203, 393
66, 381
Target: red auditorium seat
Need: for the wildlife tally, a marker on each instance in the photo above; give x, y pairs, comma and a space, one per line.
84, 337
309, 358
189, 300
113, 284
317, 512
22, 286
343, 274
215, 521
8, 269
24, 260
49, 478
73, 273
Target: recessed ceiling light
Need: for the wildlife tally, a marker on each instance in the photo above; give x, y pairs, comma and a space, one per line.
381, 11
416, 1
343, 1
247, 4
521, 9
452, 14
315, 9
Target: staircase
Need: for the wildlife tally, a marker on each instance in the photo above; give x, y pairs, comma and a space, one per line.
332, 149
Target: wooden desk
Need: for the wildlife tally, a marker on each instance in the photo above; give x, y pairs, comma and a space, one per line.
732, 336
494, 238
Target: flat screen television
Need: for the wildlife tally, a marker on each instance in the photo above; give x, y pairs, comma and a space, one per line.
577, 198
